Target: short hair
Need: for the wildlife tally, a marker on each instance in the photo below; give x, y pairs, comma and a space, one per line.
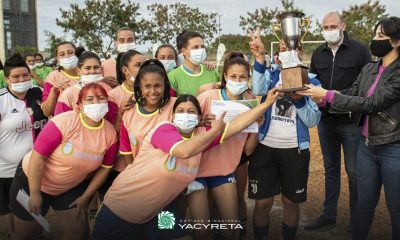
184, 40
38, 55
15, 61
336, 13
178, 40
124, 29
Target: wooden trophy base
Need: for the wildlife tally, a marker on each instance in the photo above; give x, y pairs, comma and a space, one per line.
294, 79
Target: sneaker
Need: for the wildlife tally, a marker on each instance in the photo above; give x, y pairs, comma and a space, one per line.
319, 223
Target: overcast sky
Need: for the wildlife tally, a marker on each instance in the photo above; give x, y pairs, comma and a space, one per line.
48, 10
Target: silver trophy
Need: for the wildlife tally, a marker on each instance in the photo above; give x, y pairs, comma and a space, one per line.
294, 73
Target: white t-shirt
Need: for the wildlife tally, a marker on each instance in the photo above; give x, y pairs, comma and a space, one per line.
282, 132
16, 131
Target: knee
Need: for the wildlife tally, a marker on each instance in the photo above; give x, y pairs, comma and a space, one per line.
263, 206
289, 205
77, 232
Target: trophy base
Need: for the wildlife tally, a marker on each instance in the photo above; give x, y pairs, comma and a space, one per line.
289, 90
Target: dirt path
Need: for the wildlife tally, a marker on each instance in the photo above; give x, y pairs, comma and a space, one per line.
309, 211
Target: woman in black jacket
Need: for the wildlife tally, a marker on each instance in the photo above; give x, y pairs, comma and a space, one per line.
375, 98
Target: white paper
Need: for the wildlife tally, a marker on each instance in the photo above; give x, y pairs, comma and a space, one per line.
23, 199
233, 109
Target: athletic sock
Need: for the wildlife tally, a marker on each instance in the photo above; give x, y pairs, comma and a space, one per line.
243, 223
289, 233
260, 233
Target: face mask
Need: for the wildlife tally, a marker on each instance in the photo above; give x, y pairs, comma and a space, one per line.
21, 87
39, 64
131, 78
236, 88
91, 78
168, 64
198, 56
31, 67
95, 111
380, 48
124, 47
332, 37
69, 63
186, 122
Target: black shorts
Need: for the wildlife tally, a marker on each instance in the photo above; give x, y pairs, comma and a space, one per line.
109, 181
58, 203
5, 186
273, 171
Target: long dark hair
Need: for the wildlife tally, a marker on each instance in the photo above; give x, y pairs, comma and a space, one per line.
123, 60
187, 98
232, 59
152, 66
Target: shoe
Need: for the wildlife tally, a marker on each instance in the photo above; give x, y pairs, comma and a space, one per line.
319, 223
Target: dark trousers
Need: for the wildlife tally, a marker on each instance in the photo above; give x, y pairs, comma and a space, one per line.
377, 165
334, 134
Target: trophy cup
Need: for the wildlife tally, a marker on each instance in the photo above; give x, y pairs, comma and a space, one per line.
294, 73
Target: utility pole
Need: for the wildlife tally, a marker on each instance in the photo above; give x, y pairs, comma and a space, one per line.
2, 43
219, 25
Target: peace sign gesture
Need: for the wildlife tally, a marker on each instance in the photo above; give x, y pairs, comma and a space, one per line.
257, 46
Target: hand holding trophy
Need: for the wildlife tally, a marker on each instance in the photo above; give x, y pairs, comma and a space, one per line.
294, 73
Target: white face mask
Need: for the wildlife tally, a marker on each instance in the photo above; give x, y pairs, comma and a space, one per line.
39, 64
236, 88
198, 56
96, 111
168, 64
69, 63
91, 78
31, 67
21, 87
186, 122
124, 47
332, 37
131, 78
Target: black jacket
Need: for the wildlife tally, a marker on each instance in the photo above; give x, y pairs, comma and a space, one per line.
383, 107
340, 71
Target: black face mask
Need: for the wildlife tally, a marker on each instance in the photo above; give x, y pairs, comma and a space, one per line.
380, 48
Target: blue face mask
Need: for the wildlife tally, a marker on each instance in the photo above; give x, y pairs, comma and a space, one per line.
236, 88
169, 65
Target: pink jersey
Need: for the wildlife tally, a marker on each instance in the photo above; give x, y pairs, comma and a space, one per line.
68, 98
117, 97
74, 150
221, 160
109, 68
134, 127
155, 178
54, 77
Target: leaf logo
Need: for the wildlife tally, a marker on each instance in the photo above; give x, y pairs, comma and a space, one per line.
166, 220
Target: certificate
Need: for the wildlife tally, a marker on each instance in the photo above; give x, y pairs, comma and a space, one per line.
233, 108
23, 199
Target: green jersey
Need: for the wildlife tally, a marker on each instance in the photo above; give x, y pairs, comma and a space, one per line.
3, 82
42, 72
184, 82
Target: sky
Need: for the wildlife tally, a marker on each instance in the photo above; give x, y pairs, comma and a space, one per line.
48, 11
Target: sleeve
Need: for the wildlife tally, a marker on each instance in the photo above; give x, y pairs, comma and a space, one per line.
61, 107
172, 92
110, 156
48, 140
125, 143
366, 57
261, 79
384, 96
203, 101
312, 67
172, 80
166, 137
46, 90
112, 112
308, 111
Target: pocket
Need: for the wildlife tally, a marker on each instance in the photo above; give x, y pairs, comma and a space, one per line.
342, 64
387, 120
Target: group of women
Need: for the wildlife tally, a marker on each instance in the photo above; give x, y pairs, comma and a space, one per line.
124, 136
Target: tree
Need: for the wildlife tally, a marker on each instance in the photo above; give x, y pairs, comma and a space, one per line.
361, 19
95, 23
168, 21
52, 41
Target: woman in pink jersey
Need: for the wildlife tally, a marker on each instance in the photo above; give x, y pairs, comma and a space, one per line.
63, 77
121, 98
72, 146
218, 165
89, 69
167, 162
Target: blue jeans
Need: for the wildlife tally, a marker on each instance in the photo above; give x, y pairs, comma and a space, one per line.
377, 165
333, 134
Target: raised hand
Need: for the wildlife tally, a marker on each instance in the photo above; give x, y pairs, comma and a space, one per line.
257, 46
